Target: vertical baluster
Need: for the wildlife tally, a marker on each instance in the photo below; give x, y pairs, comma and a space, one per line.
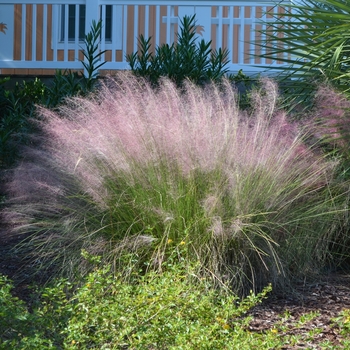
146, 21
274, 43
103, 33
136, 26
114, 33
172, 33
241, 35
76, 32
34, 32
168, 24
263, 36
219, 28
230, 34
55, 33
125, 32
23, 32
44, 29
252, 35
92, 14
65, 45
157, 25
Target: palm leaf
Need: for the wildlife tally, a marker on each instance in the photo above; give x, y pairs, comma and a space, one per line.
312, 41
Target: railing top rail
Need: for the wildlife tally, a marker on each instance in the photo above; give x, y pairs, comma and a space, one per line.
154, 2
42, 2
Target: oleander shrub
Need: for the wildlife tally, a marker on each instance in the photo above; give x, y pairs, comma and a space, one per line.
187, 58
134, 170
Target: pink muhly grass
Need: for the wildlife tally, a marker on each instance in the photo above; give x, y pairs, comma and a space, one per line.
330, 117
186, 166
200, 129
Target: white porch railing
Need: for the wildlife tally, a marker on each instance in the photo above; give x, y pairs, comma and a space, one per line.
44, 35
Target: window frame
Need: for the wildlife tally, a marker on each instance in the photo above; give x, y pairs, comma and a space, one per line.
113, 26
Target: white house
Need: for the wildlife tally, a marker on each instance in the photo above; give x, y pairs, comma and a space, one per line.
40, 36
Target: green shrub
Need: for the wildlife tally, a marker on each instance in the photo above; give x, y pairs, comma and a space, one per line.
65, 84
188, 58
21, 329
170, 310
173, 309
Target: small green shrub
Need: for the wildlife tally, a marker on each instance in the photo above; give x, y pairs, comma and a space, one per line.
245, 85
173, 309
21, 329
65, 84
188, 58
3, 100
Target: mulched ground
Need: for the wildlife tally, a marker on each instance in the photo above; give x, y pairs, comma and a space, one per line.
327, 297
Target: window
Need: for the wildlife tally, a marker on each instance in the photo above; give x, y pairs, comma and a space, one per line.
72, 15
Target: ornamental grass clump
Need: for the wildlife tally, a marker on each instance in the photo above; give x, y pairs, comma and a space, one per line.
132, 175
330, 119
329, 123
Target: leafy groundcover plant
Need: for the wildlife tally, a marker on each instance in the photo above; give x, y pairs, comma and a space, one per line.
175, 309
133, 171
171, 310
